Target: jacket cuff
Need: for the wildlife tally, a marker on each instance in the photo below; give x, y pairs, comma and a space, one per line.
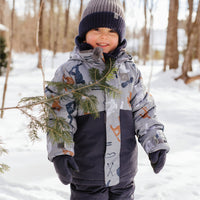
57, 149
156, 142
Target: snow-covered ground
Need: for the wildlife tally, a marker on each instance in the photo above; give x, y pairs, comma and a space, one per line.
32, 176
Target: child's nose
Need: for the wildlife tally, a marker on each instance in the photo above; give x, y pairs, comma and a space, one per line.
104, 35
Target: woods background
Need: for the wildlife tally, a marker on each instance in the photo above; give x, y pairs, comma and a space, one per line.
53, 25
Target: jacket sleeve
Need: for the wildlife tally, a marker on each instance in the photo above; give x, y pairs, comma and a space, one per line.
63, 107
147, 128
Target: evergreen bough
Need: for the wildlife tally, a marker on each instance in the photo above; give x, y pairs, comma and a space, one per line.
39, 108
3, 167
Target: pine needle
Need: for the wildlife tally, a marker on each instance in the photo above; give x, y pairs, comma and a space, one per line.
43, 118
3, 167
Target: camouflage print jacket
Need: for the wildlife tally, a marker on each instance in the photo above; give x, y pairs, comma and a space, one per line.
105, 148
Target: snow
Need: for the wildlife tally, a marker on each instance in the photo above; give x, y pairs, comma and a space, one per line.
3, 28
32, 176
158, 39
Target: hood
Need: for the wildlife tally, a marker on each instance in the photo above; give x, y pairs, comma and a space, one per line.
114, 54
96, 55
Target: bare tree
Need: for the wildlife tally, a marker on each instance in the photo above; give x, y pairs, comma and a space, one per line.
51, 25
189, 19
57, 28
189, 50
2, 8
145, 46
66, 30
153, 4
148, 8
35, 21
80, 10
171, 50
198, 38
2, 15
26, 36
35, 7
198, 47
189, 28
9, 58
40, 34
124, 5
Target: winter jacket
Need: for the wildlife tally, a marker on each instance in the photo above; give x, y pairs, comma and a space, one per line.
132, 114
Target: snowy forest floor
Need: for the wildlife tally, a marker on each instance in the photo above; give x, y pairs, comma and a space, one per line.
32, 176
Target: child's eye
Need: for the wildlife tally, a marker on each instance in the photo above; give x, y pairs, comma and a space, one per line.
96, 29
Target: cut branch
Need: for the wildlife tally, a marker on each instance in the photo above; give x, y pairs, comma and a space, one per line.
9, 59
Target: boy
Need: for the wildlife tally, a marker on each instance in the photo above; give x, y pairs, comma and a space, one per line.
101, 162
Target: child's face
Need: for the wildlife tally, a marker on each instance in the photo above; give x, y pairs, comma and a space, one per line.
105, 38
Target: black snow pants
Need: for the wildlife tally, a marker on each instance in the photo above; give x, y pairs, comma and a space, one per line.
122, 191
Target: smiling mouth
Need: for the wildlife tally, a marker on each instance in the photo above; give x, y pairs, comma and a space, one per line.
102, 45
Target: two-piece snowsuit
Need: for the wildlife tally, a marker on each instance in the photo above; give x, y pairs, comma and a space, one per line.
105, 148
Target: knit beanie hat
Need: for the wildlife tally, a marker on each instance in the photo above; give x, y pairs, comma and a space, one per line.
103, 13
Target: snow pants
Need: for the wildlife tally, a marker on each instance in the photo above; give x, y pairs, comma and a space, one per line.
122, 191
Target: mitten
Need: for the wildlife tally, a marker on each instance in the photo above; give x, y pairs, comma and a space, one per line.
64, 164
158, 159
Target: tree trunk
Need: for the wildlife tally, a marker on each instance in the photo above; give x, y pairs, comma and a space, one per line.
189, 30
124, 5
171, 50
198, 47
2, 15
35, 16
189, 20
80, 10
51, 24
188, 55
35, 6
40, 34
151, 36
145, 36
189, 51
191, 43
57, 29
9, 59
66, 30
2, 10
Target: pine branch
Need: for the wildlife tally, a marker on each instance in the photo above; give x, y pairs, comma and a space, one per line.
88, 104
59, 131
38, 108
57, 127
107, 75
3, 167
34, 125
2, 150
60, 86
